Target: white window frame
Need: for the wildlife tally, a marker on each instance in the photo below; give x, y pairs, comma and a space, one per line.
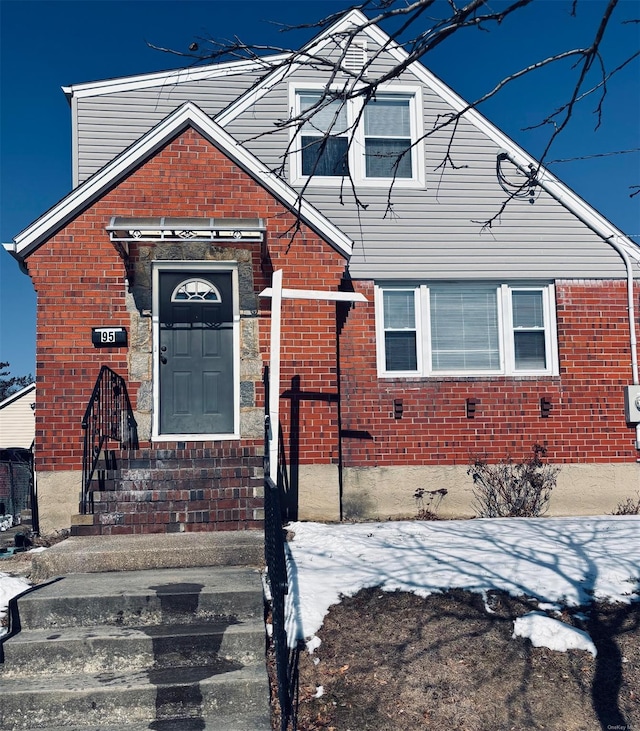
505, 332
380, 338
356, 156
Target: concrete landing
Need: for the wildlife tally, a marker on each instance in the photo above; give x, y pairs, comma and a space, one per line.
98, 554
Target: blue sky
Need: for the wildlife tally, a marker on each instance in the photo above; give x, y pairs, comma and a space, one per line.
47, 44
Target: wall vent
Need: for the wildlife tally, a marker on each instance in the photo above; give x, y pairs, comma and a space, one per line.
356, 57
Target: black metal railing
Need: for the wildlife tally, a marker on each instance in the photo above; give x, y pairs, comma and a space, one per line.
108, 417
286, 658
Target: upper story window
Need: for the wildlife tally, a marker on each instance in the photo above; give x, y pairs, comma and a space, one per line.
378, 145
466, 329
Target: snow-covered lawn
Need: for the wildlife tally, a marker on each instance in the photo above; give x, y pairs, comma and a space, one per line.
557, 561
10, 586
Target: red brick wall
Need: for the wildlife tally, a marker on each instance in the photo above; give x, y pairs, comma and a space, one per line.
586, 422
80, 281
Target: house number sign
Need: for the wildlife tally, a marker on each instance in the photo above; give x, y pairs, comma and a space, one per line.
108, 337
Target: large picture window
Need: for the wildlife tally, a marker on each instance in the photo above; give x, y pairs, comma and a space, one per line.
375, 144
466, 329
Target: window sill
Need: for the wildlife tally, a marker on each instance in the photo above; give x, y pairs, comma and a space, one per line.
416, 378
375, 183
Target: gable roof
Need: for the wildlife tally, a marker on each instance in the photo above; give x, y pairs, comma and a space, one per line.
518, 156
188, 115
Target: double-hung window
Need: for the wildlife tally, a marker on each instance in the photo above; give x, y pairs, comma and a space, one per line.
401, 323
375, 144
466, 329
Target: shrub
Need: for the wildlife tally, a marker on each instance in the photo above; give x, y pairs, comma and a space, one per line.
628, 507
428, 502
513, 489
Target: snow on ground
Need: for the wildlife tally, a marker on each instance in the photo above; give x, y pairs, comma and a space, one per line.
544, 631
558, 561
10, 586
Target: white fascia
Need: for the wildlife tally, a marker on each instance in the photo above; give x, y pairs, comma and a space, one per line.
186, 115
18, 394
174, 76
595, 220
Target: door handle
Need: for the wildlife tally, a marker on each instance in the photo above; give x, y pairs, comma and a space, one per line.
163, 360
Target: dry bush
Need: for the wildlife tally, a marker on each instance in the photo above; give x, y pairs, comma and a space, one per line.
512, 489
630, 506
428, 502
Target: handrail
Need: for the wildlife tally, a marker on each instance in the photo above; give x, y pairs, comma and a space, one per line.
108, 416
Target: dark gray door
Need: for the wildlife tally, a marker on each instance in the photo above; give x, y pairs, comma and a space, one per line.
196, 353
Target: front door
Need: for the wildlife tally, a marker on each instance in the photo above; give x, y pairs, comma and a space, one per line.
196, 352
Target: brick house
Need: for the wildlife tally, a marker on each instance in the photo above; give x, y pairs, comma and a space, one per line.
465, 343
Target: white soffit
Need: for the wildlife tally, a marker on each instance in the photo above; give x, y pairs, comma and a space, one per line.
185, 116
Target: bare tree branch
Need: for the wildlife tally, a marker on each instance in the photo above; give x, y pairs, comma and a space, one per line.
417, 33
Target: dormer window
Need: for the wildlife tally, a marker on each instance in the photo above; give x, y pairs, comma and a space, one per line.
377, 146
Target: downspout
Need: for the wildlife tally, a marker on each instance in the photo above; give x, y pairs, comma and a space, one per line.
611, 240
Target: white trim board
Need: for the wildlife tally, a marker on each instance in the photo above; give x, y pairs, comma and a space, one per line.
171, 77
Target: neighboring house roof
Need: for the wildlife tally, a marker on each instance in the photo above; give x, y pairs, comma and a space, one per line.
188, 115
17, 420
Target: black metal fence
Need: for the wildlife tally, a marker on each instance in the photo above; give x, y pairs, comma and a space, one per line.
286, 657
108, 416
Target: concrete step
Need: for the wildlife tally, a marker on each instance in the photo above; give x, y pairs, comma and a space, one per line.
140, 552
102, 649
140, 598
158, 697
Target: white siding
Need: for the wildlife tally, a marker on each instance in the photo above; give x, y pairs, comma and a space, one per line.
18, 421
107, 124
436, 232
